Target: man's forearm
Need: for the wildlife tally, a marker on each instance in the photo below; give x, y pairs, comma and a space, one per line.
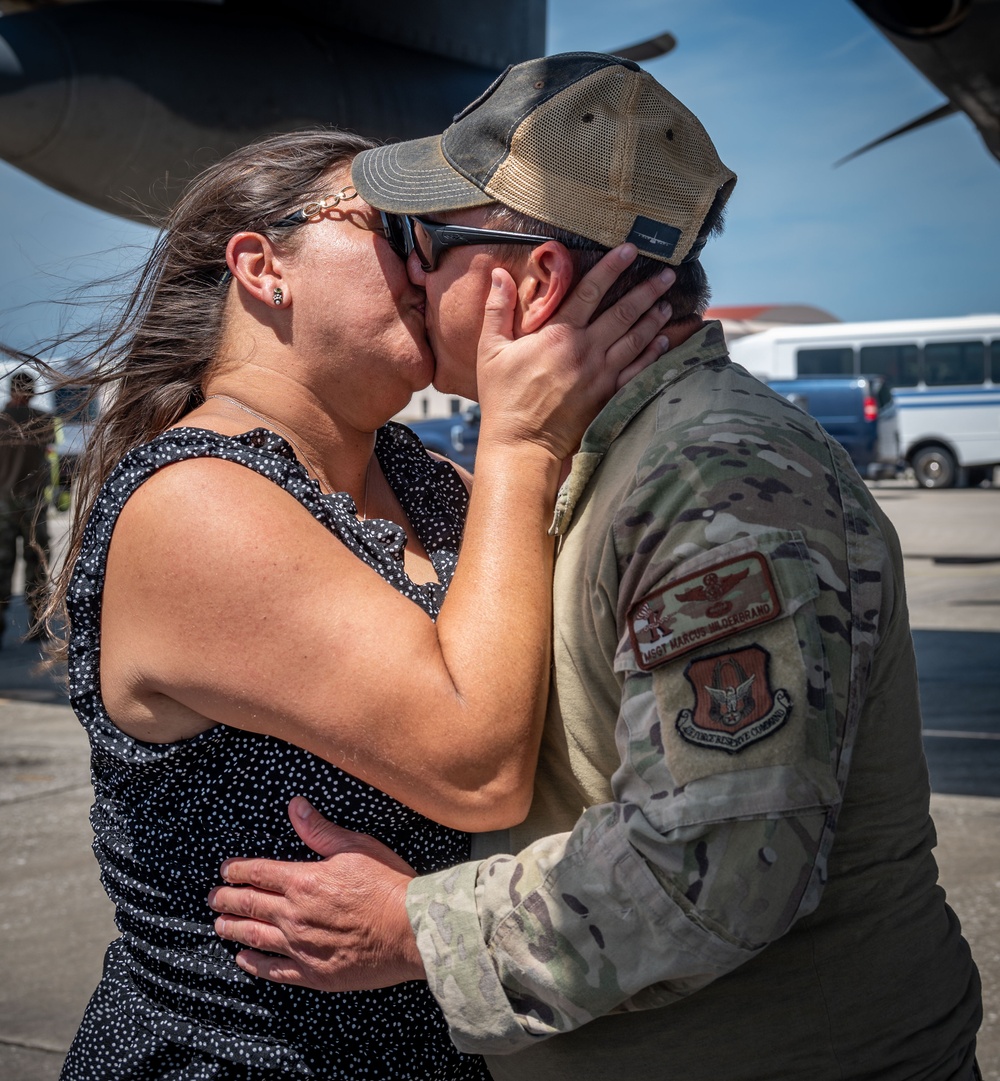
578, 925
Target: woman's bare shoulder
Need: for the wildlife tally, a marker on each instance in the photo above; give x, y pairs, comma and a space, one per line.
206, 494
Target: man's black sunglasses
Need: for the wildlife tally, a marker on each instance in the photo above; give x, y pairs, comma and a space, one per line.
433, 237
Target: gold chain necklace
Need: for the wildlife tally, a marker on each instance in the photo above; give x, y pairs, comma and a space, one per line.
320, 478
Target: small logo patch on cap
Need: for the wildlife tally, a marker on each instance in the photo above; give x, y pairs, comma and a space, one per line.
654, 237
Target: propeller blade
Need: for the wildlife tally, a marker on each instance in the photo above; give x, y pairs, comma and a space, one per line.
922, 121
647, 50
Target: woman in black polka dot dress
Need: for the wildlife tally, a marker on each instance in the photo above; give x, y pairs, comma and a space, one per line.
172, 1002
256, 574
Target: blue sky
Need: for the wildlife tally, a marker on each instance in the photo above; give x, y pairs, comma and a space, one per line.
785, 88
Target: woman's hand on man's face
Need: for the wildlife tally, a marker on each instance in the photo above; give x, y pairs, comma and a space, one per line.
546, 386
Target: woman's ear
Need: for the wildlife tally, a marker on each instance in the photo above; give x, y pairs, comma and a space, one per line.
547, 278
253, 262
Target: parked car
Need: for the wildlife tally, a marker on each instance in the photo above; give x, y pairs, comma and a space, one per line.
858, 411
456, 437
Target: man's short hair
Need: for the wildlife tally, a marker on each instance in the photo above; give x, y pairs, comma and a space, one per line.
689, 295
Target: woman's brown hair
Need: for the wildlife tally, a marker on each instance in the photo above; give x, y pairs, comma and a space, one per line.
150, 366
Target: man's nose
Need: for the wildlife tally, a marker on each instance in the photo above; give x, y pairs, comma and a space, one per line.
416, 272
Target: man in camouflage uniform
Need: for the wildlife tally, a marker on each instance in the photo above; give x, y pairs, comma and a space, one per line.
25, 434
727, 870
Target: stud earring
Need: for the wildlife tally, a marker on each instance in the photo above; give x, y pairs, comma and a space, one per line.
277, 296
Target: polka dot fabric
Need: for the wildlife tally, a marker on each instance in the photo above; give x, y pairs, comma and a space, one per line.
172, 1002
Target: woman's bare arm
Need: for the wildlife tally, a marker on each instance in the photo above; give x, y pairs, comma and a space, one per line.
253, 615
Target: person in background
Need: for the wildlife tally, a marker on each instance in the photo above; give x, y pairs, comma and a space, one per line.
727, 869
26, 435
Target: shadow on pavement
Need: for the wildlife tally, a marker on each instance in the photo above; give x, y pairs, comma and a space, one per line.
960, 701
22, 676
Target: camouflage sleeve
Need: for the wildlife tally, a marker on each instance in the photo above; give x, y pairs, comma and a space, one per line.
714, 844
735, 640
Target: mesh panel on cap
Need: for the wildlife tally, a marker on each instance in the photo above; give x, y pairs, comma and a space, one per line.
677, 169
561, 167
612, 147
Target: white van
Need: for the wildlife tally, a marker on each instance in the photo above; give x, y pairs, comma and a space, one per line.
944, 375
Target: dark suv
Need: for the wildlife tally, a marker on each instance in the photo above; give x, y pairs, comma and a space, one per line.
456, 437
858, 411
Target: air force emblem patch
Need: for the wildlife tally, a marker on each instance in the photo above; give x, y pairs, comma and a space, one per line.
734, 705
691, 612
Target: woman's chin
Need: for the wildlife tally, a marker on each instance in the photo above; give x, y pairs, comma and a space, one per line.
425, 369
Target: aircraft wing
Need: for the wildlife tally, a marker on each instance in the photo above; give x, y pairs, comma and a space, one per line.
955, 44
119, 102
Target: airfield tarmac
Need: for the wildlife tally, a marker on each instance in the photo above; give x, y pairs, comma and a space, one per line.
55, 920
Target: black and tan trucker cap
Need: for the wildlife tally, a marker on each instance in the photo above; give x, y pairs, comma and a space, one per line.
587, 142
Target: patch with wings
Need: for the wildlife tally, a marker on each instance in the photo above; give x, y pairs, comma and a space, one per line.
734, 704
690, 612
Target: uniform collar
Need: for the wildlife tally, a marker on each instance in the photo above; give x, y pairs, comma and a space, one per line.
706, 344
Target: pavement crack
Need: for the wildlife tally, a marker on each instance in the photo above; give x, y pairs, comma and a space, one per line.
30, 797
958, 561
32, 1045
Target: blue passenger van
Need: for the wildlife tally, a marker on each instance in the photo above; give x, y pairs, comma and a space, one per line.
858, 411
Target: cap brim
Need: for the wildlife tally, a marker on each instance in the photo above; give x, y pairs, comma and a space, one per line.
413, 178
